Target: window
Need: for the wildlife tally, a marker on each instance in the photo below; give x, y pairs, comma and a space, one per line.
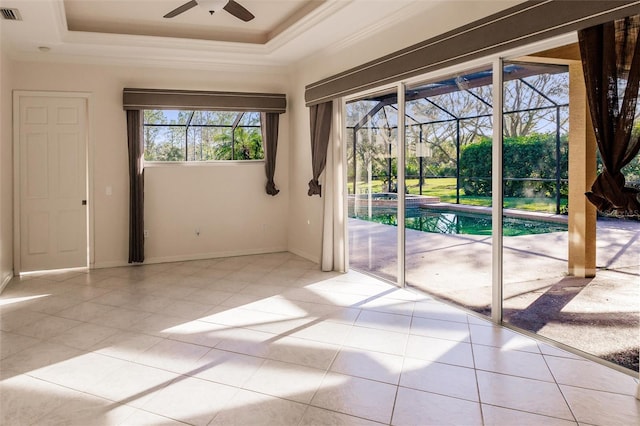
182, 135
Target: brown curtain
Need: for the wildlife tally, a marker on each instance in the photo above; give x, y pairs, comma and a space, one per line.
611, 62
321, 115
270, 122
136, 185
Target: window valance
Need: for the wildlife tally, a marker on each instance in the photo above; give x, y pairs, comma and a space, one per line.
531, 21
133, 99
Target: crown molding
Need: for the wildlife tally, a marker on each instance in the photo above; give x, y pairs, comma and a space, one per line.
124, 49
165, 61
317, 16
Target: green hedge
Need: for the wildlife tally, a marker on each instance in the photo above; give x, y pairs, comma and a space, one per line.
525, 157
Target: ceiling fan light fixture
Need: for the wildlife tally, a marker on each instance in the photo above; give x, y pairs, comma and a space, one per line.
213, 5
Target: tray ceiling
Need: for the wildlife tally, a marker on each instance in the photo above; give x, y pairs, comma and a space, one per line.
128, 32
145, 17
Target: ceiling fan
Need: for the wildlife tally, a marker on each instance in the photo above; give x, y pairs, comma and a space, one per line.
231, 6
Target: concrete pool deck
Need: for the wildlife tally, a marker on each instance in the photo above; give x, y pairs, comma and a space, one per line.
600, 316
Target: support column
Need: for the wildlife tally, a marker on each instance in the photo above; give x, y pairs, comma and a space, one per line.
582, 173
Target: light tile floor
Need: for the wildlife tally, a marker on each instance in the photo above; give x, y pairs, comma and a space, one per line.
270, 340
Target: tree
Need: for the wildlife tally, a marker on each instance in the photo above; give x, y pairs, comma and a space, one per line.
241, 143
369, 155
525, 158
525, 98
248, 144
373, 124
171, 153
166, 140
151, 133
442, 114
461, 116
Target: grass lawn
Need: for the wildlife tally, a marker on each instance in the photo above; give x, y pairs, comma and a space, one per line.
445, 188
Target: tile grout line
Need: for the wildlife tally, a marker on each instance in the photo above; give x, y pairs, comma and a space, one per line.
328, 369
264, 358
475, 372
555, 381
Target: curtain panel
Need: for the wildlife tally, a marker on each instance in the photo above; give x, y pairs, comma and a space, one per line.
136, 185
334, 215
321, 116
611, 63
270, 123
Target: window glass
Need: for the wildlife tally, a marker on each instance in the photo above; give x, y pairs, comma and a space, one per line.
448, 202
180, 135
372, 131
250, 119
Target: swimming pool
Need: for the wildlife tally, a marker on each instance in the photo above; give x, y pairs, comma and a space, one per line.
448, 222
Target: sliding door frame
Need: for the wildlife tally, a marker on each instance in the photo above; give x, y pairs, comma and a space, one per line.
402, 143
496, 62
496, 192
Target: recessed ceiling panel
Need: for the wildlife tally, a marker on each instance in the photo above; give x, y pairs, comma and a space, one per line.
145, 17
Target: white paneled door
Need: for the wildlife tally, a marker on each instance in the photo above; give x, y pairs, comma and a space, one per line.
52, 162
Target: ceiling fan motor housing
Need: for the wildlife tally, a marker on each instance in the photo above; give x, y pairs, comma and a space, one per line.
231, 6
212, 5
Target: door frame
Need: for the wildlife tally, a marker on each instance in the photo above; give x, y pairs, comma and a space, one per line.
17, 96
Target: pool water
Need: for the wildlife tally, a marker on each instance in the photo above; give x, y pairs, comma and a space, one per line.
446, 222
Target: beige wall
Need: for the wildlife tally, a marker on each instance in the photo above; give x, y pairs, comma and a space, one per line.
247, 222
227, 204
6, 172
305, 215
178, 198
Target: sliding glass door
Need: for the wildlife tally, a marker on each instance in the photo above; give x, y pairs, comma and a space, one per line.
372, 182
448, 188
470, 187
535, 188
550, 287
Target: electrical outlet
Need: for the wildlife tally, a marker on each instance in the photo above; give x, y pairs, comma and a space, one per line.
146, 233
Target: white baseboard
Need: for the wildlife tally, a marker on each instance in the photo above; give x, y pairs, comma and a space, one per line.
310, 257
5, 280
215, 255
111, 264
187, 257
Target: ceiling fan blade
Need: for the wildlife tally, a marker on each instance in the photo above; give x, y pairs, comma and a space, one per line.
178, 10
237, 10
